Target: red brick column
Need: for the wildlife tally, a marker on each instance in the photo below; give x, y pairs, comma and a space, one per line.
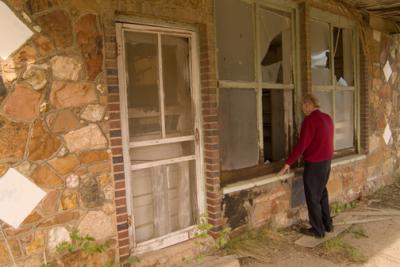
209, 97
364, 100
111, 65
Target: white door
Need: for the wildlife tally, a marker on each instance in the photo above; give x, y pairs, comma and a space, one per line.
159, 107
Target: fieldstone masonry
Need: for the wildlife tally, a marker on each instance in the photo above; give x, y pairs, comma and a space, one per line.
60, 126
52, 126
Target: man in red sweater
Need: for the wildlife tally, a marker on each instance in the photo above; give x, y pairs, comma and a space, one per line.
316, 146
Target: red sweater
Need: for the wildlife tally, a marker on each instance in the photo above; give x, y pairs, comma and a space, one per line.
316, 139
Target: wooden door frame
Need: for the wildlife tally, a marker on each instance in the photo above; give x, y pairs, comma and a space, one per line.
192, 35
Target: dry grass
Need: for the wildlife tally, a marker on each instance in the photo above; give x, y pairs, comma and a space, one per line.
358, 232
258, 245
337, 248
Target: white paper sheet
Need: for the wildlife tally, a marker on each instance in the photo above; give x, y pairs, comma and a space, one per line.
18, 197
387, 134
387, 70
14, 33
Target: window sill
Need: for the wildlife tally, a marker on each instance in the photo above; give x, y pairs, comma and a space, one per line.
347, 160
272, 178
255, 182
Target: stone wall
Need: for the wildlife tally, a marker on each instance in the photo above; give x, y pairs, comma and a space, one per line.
60, 120
54, 128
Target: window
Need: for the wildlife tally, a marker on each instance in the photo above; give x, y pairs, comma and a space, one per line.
256, 87
334, 76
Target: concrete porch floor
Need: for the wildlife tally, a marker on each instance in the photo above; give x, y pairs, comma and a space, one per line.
378, 243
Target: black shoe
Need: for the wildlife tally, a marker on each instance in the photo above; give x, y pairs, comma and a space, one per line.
329, 228
311, 232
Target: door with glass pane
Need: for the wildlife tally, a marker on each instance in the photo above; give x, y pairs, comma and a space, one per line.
161, 136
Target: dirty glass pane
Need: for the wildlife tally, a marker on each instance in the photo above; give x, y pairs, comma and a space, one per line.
163, 199
320, 53
325, 101
277, 120
275, 44
177, 95
142, 86
160, 152
344, 120
238, 128
343, 51
235, 40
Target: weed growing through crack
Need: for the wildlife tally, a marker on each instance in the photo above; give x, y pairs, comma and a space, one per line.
338, 207
337, 247
358, 232
253, 244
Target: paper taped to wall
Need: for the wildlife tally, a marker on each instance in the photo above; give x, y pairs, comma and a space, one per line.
18, 197
387, 134
14, 33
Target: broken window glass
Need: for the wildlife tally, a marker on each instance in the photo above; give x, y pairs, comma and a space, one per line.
142, 86
238, 128
177, 94
343, 61
277, 117
344, 120
234, 19
275, 44
320, 53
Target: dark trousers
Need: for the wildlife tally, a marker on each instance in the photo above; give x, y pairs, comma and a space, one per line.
315, 178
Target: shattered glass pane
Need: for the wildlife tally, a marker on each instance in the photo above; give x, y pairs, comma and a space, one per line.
275, 44
321, 74
277, 115
238, 128
178, 100
344, 59
344, 120
142, 86
235, 40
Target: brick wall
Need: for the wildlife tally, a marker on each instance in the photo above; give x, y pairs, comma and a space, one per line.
111, 67
210, 124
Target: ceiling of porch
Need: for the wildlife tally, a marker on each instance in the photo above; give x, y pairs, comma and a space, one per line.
389, 9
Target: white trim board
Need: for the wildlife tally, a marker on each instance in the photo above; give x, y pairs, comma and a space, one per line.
272, 178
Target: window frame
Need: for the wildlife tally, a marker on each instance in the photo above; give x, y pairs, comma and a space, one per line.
290, 9
139, 25
341, 22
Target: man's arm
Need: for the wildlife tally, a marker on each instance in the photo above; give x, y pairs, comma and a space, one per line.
306, 135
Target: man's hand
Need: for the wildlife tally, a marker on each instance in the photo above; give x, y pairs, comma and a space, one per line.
284, 169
